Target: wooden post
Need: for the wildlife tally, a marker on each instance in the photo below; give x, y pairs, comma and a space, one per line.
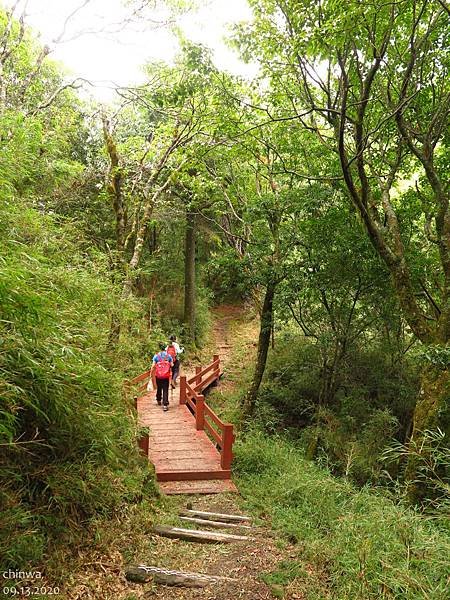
183, 389
200, 413
143, 444
227, 444
198, 378
217, 369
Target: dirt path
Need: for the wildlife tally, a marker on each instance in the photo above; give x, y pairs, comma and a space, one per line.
233, 333
233, 338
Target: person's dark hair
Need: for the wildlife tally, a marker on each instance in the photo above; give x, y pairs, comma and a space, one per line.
173, 338
162, 346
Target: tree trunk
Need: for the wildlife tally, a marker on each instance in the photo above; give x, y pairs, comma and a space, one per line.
432, 410
115, 191
189, 278
263, 348
115, 187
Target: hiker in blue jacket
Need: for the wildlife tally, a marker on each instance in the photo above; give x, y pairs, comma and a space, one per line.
161, 373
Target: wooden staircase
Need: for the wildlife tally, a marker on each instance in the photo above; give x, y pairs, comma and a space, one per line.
189, 446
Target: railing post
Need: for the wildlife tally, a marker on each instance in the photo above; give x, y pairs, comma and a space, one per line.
200, 413
143, 444
198, 378
217, 369
227, 444
183, 389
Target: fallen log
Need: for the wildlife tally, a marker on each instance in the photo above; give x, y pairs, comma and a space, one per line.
215, 516
196, 535
215, 524
144, 574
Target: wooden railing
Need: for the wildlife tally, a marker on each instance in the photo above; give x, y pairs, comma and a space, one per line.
205, 418
191, 394
145, 377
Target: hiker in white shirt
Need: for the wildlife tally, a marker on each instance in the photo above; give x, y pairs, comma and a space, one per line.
174, 350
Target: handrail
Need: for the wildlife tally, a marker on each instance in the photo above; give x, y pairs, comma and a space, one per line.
215, 364
140, 377
191, 393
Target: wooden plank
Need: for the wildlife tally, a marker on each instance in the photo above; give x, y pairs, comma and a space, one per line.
207, 382
215, 516
200, 374
183, 446
144, 574
197, 535
214, 417
172, 429
215, 524
213, 432
179, 439
178, 453
159, 455
168, 475
205, 471
180, 446
187, 463
140, 377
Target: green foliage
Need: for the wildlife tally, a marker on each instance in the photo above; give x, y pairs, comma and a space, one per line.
438, 356
362, 545
373, 403
227, 275
68, 442
433, 460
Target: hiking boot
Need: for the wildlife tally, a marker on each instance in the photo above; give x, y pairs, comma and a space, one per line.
158, 402
165, 408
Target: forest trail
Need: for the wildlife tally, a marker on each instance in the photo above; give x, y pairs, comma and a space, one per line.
245, 563
233, 332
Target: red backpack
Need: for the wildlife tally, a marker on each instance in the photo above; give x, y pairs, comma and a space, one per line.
162, 370
173, 353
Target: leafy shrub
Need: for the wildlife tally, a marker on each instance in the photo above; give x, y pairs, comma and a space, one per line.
372, 404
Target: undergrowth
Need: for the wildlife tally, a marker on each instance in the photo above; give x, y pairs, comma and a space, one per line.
360, 543
67, 436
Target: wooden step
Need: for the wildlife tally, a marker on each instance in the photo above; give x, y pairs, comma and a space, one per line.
215, 524
199, 514
211, 486
181, 463
169, 475
144, 574
197, 535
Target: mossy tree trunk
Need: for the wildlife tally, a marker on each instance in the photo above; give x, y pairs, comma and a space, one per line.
432, 411
115, 192
265, 332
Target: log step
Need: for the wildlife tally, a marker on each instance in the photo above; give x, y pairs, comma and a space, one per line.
198, 514
144, 574
215, 524
197, 535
